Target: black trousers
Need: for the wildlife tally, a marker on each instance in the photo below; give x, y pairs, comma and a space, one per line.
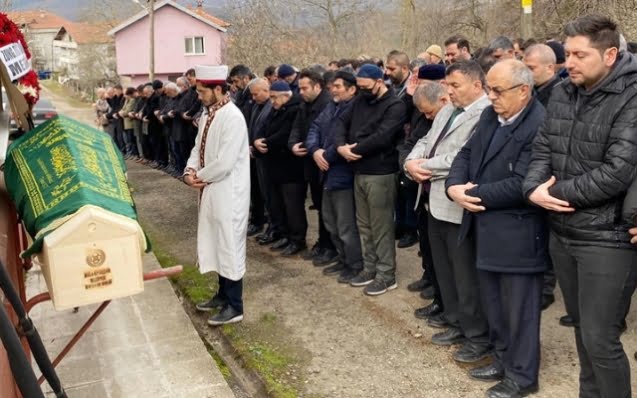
427, 259
597, 284
257, 207
288, 210
159, 143
513, 303
339, 212
181, 155
265, 188
316, 191
406, 217
147, 142
118, 133
232, 292
548, 286
458, 278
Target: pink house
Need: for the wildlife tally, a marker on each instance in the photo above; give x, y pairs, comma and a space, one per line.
184, 37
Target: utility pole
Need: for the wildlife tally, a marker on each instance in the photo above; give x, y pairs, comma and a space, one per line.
151, 60
527, 19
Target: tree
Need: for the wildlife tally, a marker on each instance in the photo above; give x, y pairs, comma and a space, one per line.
110, 11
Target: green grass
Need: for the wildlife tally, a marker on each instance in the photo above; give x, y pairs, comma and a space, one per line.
223, 368
270, 361
191, 282
63, 91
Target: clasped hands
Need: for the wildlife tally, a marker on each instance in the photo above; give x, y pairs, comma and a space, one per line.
458, 193
416, 171
260, 145
192, 180
346, 152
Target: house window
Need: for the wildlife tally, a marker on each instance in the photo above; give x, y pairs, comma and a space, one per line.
194, 45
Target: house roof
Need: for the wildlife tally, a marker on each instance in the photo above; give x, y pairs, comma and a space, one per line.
197, 13
87, 33
202, 13
37, 19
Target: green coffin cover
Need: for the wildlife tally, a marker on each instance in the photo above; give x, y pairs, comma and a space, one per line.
60, 167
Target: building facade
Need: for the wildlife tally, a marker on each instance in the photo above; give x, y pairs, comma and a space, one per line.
184, 37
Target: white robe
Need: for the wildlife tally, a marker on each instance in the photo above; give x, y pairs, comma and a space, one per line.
225, 202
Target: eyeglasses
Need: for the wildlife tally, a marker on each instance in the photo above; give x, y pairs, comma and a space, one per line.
499, 91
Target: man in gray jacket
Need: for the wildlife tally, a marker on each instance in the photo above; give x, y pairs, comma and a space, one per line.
429, 163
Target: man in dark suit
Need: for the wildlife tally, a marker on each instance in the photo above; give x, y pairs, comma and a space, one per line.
511, 236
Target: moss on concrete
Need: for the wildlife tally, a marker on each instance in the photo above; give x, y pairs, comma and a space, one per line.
270, 361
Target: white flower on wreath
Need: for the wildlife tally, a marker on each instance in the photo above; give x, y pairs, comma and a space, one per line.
27, 90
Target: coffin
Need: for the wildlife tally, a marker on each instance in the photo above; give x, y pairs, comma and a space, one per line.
68, 183
94, 256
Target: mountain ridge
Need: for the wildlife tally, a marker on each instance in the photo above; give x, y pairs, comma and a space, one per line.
74, 9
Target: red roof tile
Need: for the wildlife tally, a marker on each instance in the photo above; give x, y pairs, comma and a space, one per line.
89, 33
203, 14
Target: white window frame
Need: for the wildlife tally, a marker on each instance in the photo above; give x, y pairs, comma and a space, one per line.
192, 41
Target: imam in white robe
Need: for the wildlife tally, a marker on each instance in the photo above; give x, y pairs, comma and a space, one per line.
225, 201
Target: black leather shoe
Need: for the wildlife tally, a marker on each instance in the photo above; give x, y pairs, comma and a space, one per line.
427, 293
472, 353
407, 240
449, 337
293, 249
419, 285
254, 229
491, 372
547, 300
267, 237
337, 268
428, 311
347, 275
567, 321
314, 252
508, 388
438, 321
280, 244
328, 256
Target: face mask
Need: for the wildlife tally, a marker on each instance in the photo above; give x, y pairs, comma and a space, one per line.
368, 93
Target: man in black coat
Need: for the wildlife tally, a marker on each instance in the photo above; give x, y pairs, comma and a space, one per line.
315, 99
285, 171
584, 160
540, 59
367, 136
400, 76
167, 118
258, 115
240, 75
155, 127
181, 127
289, 74
511, 236
191, 110
116, 102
